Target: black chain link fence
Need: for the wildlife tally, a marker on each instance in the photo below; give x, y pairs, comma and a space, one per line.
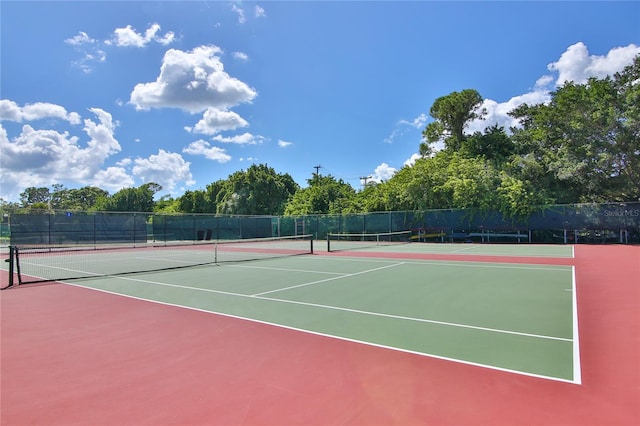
563, 224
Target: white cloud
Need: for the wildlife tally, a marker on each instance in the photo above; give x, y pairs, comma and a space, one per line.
10, 111
417, 122
259, 12
497, 112
243, 139
383, 172
577, 65
241, 56
241, 18
192, 81
165, 169
113, 179
214, 121
403, 126
80, 39
41, 157
90, 50
128, 37
284, 144
412, 160
201, 147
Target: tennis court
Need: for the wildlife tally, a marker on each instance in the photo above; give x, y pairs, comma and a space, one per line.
510, 309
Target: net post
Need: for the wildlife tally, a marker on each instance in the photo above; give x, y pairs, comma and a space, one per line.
328, 242
16, 254
11, 267
311, 245
11, 264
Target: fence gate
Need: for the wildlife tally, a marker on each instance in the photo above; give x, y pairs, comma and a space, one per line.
624, 236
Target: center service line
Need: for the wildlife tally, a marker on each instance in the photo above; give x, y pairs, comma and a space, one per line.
327, 279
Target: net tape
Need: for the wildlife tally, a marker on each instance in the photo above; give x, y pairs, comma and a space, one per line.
354, 241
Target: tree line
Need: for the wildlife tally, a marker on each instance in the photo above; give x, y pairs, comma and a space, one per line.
583, 146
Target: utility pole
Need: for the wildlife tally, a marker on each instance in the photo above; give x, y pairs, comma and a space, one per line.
318, 167
365, 179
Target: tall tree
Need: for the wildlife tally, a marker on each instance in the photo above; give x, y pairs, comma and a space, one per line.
85, 198
627, 86
259, 190
138, 199
452, 113
583, 145
33, 195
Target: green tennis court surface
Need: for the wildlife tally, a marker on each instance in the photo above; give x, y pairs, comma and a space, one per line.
513, 317
524, 250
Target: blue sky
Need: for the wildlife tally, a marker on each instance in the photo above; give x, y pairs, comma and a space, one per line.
184, 93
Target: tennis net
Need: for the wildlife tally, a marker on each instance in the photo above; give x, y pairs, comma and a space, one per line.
342, 241
42, 263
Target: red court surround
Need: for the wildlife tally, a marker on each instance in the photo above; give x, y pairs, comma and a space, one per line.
74, 356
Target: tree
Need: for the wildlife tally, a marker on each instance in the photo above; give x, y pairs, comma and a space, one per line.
517, 198
138, 199
258, 191
452, 113
627, 87
494, 144
324, 195
7, 206
166, 204
85, 198
33, 195
583, 146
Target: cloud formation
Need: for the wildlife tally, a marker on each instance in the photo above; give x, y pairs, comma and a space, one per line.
89, 49
40, 157
203, 148
243, 139
128, 37
192, 81
241, 56
577, 65
92, 50
383, 172
404, 126
164, 168
10, 111
214, 121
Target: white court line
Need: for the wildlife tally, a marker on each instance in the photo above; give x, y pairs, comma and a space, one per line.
285, 269
465, 264
445, 323
329, 279
577, 370
462, 249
